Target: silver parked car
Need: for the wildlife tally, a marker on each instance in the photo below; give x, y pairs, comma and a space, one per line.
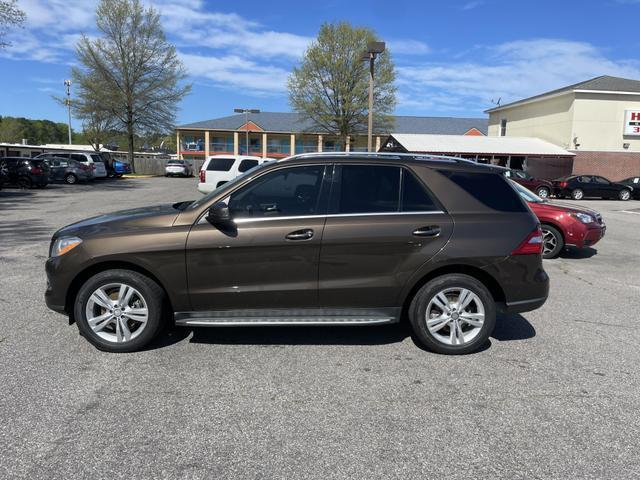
68, 171
183, 168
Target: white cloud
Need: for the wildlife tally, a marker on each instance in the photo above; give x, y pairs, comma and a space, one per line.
408, 47
472, 4
512, 70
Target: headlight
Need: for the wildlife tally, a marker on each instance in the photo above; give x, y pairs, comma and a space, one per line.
584, 218
63, 245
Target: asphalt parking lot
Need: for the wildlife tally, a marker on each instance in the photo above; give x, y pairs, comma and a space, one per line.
556, 394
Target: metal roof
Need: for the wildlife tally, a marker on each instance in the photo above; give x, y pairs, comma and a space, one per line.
294, 123
604, 83
464, 144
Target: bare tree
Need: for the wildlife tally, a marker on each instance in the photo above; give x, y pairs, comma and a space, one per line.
10, 15
131, 75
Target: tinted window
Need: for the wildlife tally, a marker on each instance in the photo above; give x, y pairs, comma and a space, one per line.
368, 189
414, 197
220, 164
288, 192
584, 179
601, 180
246, 165
79, 157
490, 189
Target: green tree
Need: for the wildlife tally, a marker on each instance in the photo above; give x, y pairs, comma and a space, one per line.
131, 76
331, 85
37, 132
10, 16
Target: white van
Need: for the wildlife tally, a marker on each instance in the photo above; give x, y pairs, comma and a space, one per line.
219, 169
90, 159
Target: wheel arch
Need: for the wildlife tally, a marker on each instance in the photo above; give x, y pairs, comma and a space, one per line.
486, 278
94, 269
556, 226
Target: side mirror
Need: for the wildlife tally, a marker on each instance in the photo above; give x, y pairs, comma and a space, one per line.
219, 214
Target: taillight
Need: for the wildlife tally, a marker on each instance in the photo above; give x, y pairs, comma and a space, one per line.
36, 170
202, 176
532, 245
563, 184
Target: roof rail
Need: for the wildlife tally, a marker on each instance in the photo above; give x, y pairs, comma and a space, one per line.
418, 156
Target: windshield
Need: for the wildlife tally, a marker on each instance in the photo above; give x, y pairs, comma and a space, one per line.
209, 196
527, 195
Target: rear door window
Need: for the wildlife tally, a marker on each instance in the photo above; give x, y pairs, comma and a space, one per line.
78, 157
366, 189
220, 164
247, 165
490, 189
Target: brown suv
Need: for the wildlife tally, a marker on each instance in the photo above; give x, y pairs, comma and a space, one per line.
316, 239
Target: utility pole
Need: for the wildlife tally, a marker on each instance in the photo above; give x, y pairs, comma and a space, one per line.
373, 49
67, 83
246, 112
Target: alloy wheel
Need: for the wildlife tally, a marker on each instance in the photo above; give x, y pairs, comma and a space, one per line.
543, 192
624, 195
549, 242
455, 316
117, 312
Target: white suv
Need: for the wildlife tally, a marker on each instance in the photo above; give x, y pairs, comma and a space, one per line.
93, 160
219, 169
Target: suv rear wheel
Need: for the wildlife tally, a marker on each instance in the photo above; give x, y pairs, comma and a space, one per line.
119, 310
453, 314
70, 178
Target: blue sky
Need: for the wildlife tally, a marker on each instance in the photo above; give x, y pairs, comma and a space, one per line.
452, 57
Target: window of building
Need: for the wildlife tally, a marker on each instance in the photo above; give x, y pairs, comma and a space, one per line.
288, 192
503, 127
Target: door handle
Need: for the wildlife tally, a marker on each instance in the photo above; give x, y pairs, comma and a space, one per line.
432, 231
305, 234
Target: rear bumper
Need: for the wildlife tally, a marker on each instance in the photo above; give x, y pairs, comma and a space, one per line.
524, 305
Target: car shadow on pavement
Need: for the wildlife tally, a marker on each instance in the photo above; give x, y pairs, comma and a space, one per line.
578, 253
513, 327
15, 234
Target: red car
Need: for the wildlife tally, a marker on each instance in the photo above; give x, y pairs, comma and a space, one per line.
542, 188
563, 225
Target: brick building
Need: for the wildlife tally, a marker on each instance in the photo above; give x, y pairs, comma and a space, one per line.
598, 120
277, 134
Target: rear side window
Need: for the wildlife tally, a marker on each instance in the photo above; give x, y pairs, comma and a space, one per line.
414, 196
247, 165
220, 164
368, 189
78, 157
490, 189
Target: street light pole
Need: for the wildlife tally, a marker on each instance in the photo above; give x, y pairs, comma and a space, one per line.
67, 83
373, 49
246, 112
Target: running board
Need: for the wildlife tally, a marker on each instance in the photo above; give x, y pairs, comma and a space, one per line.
257, 318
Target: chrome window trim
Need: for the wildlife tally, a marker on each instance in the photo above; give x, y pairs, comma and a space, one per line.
334, 215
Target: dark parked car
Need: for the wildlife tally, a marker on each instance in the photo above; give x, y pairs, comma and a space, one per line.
633, 182
25, 172
564, 225
542, 188
68, 171
581, 186
317, 239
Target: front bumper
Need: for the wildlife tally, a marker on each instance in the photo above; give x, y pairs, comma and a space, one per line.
582, 235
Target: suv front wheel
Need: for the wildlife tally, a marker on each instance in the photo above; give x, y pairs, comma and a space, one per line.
119, 310
453, 314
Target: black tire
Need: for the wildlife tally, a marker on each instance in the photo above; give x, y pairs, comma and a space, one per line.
151, 292
543, 192
25, 182
420, 302
624, 195
70, 179
553, 241
577, 194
